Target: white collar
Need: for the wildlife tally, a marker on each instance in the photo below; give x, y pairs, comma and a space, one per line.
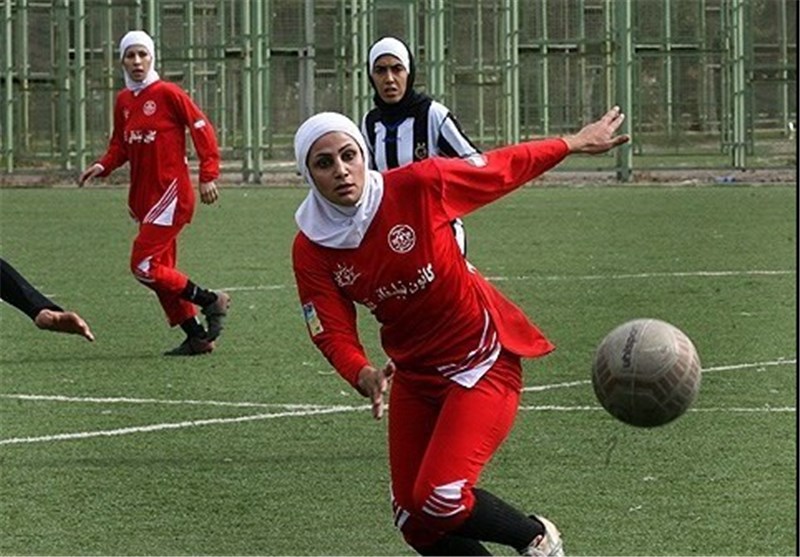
335, 226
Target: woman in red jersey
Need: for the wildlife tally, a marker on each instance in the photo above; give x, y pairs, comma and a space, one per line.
454, 342
150, 121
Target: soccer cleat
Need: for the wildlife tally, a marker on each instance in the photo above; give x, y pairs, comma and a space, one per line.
215, 313
192, 346
548, 545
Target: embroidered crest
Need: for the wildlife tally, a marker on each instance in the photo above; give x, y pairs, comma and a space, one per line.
402, 238
345, 276
420, 151
312, 320
149, 108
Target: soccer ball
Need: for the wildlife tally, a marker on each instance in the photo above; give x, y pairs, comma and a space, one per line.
646, 372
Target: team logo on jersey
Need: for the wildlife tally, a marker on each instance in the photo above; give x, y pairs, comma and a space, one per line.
312, 319
149, 108
126, 114
402, 238
345, 276
421, 151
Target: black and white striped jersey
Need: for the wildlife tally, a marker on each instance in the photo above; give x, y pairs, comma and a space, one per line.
429, 130
423, 133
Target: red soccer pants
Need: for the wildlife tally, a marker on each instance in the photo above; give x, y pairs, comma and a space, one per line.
153, 258
441, 435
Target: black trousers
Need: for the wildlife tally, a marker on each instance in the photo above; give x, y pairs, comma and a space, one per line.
21, 294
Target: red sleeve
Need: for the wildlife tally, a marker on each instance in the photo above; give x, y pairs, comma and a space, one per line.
329, 316
468, 184
203, 135
117, 154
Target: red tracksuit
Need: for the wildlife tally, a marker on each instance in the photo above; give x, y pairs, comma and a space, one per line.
150, 134
442, 323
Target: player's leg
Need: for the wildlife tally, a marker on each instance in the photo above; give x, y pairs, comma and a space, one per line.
472, 425
153, 260
413, 412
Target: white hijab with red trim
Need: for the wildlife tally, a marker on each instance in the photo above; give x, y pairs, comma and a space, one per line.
324, 222
140, 38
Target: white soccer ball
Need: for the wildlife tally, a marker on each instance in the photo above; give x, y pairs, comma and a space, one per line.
646, 372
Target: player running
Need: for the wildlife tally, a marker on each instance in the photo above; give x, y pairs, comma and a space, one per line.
455, 342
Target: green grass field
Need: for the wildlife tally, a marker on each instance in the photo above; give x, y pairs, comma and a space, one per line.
261, 449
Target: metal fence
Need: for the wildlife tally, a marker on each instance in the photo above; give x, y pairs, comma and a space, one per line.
705, 83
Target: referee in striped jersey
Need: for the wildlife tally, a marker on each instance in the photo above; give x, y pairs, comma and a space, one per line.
406, 126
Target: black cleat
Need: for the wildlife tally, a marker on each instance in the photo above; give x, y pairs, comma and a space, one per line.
192, 346
215, 314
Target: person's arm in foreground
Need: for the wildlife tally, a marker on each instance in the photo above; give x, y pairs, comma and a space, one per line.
17, 291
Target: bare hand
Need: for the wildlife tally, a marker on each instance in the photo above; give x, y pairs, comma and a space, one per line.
89, 173
373, 383
63, 322
598, 137
209, 192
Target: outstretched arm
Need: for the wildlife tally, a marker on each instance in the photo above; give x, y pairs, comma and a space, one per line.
466, 185
599, 137
17, 291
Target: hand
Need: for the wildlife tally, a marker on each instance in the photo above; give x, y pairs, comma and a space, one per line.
373, 383
90, 173
63, 322
209, 192
598, 137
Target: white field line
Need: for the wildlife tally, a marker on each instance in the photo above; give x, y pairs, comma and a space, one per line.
764, 409
178, 425
650, 275
250, 288
301, 410
125, 400
574, 277
778, 362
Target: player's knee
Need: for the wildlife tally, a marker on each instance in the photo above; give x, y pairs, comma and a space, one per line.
141, 269
415, 532
441, 506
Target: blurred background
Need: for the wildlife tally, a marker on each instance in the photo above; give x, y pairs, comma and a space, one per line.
708, 85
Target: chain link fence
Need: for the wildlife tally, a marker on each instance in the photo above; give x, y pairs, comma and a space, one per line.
708, 84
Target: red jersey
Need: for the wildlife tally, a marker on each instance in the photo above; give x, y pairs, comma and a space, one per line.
150, 134
437, 313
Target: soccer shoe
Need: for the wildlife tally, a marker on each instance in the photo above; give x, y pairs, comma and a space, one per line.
192, 346
548, 545
215, 313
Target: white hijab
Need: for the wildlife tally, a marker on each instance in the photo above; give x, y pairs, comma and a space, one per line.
389, 45
139, 38
324, 222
